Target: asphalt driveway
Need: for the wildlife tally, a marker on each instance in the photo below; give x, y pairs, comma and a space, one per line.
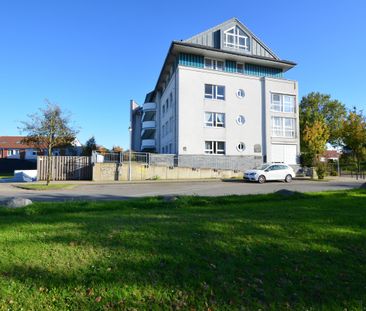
118, 191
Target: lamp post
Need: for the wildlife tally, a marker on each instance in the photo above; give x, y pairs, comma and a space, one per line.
129, 155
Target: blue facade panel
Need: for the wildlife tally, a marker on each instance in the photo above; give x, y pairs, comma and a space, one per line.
191, 60
197, 61
230, 66
262, 71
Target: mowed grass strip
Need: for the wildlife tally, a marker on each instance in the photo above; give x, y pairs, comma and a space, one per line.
42, 187
269, 252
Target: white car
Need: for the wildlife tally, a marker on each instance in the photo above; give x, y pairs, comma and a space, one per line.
271, 171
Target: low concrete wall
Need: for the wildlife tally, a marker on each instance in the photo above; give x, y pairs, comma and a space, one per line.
118, 172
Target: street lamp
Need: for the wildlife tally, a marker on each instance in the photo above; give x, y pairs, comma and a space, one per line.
129, 155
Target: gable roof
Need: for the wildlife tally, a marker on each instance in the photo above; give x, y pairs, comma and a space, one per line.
258, 48
14, 142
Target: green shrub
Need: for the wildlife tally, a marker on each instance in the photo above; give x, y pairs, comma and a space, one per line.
321, 170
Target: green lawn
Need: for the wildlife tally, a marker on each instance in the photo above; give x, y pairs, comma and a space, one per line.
6, 175
45, 187
269, 252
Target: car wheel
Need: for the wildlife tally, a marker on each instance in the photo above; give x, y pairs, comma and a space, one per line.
288, 178
261, 179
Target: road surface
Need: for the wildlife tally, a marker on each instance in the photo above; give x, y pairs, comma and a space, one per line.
119, 191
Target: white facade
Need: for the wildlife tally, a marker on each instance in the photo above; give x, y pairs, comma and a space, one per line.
211, 101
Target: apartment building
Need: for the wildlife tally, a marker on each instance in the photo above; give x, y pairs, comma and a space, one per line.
221, 93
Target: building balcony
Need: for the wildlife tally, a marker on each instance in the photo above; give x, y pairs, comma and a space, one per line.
149, 124
147, 143
148, 106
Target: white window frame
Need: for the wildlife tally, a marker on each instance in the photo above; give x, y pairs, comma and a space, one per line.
283, 105
214, 64
215, 116
280, 129
214, 92
13, 152
240, 149
236, 36
214, 148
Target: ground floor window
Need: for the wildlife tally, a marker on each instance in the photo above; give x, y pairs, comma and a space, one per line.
13, 152
214, 147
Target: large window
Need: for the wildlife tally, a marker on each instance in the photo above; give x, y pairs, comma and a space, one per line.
214, 147
283, 127
283, 103
215, 91
214, 64
236, 38
214, 119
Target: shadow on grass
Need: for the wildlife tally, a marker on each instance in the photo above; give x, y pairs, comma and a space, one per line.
265, 251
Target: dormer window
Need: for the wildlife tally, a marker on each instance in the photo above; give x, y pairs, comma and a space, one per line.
236, 38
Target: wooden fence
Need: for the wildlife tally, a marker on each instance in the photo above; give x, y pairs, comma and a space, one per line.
65, 168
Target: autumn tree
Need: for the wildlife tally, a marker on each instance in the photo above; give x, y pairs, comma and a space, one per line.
315, 135
315, 106
49, 128
117, 149
354, 135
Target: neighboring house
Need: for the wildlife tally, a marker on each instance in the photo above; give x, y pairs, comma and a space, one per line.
221, 93
333, 155
11, 147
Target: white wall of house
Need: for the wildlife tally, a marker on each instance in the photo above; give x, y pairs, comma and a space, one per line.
166, 122
255, 106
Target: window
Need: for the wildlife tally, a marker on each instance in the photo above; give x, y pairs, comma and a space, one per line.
240, 93
240, 147
163, 134
283, 127
171, 98
163, 110
167, 104
171, 124
288, 103
13, 152
214, 119
239, 68
214, 147
214, 64
236, 38
240, 120
283, 103
170, 148
215, 91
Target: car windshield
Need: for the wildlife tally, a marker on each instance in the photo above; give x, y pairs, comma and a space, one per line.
262, 167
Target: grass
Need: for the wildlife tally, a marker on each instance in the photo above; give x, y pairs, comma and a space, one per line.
267, 252
45, 187
6, 175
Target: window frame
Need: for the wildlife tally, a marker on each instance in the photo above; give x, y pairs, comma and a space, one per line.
214, 64
280, 105
281, 130
214, 89
216, 123
215, 148
236, 36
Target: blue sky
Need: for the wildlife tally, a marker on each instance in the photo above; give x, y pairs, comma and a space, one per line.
91, 57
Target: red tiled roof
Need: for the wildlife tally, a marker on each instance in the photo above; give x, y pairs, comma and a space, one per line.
332, 154
14, 142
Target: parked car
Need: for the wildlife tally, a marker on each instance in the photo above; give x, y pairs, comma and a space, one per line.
270, 171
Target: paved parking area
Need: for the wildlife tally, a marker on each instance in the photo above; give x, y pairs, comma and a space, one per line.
118, 191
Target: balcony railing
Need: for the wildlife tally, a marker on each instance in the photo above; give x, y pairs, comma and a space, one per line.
148, 125
149, 106
148, 143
